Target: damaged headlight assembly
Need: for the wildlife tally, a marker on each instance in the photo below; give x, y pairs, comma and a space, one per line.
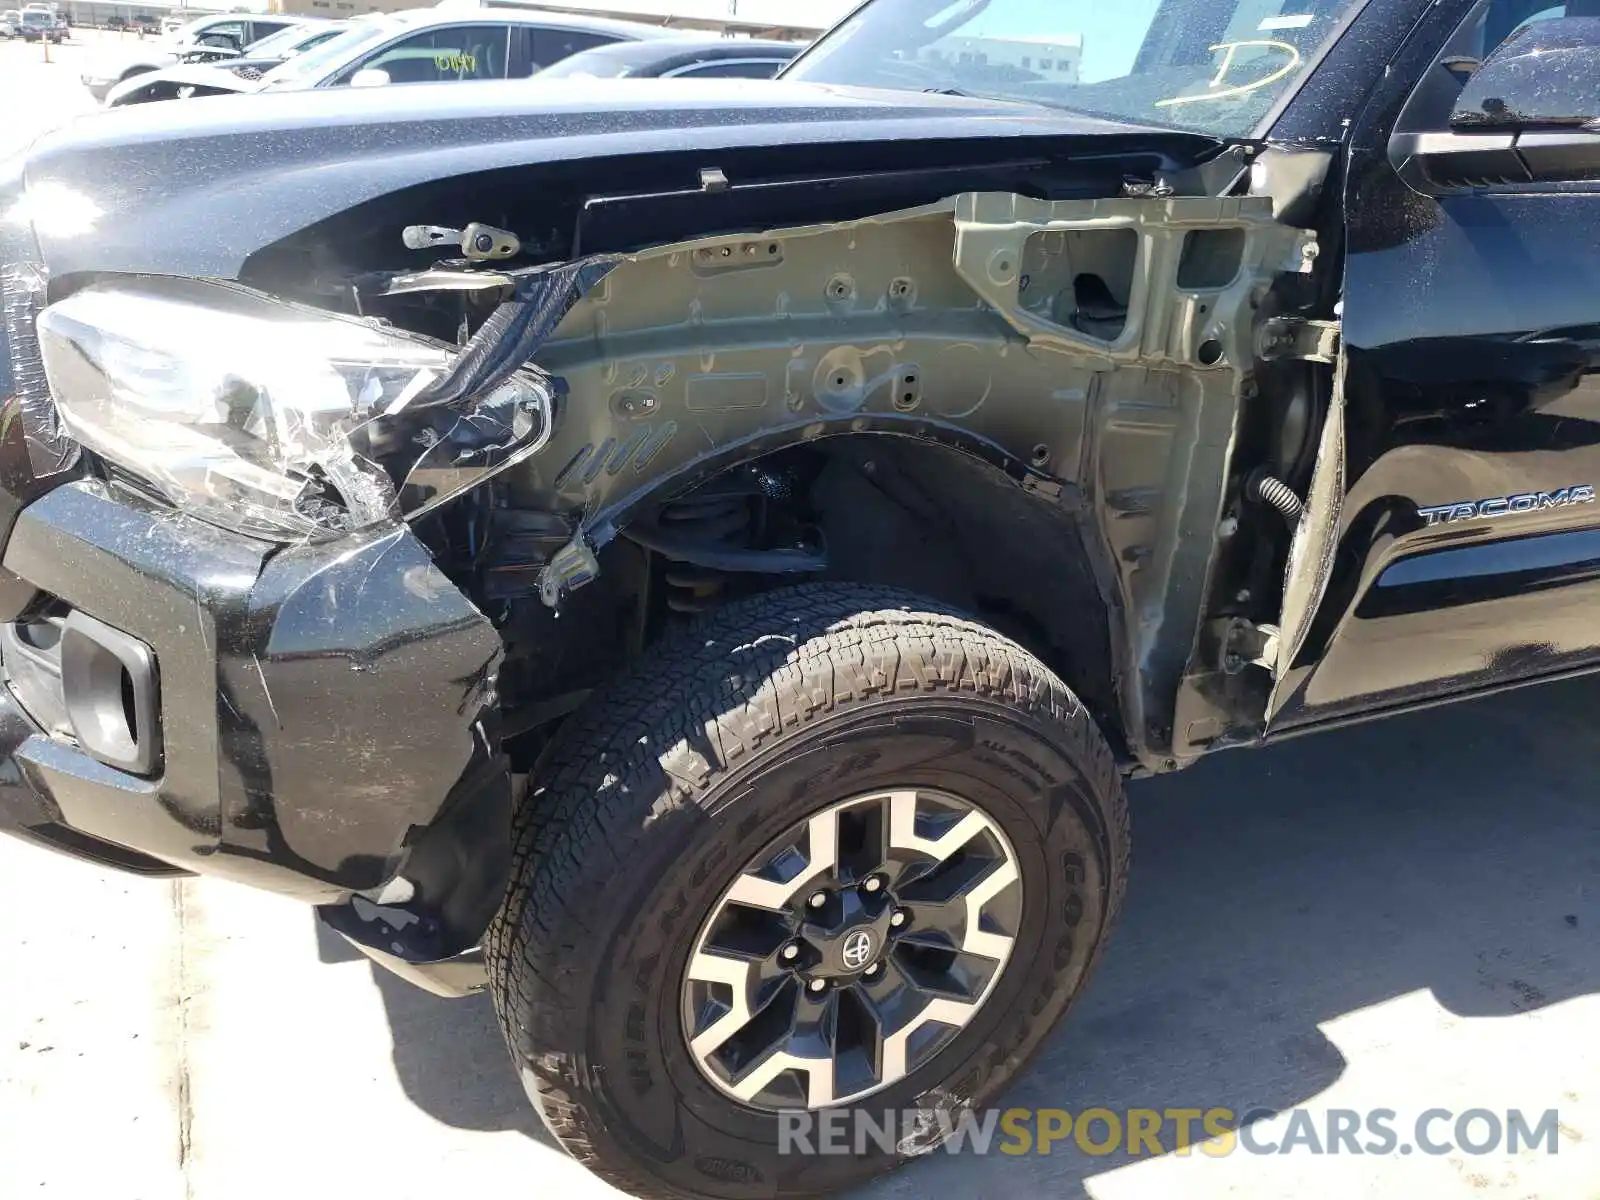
272, 418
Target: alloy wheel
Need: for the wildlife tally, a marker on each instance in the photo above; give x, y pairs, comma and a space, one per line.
852, 950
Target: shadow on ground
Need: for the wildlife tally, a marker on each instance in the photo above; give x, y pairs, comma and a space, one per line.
448, 1054
1456, 851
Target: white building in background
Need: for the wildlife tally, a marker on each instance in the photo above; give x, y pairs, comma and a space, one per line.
1052, 58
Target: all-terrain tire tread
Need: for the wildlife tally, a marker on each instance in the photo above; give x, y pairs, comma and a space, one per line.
699, 703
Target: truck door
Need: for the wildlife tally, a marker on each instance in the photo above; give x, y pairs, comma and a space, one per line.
1466, 546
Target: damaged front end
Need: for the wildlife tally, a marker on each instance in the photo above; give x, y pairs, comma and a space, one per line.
224, 651
374, 529
1100, 355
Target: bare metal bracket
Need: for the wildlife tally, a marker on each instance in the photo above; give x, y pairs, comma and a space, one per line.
1297, 337
1245, 644
569, 568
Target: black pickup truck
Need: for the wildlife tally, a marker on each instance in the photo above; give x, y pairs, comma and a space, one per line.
699, 559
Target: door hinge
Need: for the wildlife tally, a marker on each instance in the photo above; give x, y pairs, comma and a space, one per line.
1299, 337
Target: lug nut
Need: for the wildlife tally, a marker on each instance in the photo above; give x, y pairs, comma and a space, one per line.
873, 884
874, 970
819, 985
791, 951
818, 899
897, 918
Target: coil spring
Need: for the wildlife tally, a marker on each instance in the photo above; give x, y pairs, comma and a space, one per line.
1279, 495
710, 517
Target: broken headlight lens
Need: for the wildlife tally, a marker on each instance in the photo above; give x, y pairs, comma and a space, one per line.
249, 412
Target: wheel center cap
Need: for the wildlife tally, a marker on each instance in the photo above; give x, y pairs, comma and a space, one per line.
858, 948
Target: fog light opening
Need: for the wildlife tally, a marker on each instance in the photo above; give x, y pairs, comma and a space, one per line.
130, 709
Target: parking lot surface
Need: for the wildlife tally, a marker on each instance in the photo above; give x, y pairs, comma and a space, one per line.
1404, 917
36, 94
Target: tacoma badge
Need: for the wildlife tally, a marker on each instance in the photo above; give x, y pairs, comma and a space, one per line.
1500, 506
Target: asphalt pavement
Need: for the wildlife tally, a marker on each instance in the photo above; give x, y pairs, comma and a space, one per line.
1401, 917
40, 87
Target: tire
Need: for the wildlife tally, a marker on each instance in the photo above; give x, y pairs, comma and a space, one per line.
656, 795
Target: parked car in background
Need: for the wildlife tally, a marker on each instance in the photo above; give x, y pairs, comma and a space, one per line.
678, 58
11, 23
39, 25
279, 48
419, 46
223, 75
226, 31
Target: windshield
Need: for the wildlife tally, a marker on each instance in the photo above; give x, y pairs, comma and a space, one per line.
314, 63
1215, 66
184, 34
37, 18
282, 43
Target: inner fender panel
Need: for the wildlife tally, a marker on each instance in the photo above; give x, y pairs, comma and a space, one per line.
1091, 347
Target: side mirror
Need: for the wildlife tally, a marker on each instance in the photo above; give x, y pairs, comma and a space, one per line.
1545, 75
370, 77
1530, 113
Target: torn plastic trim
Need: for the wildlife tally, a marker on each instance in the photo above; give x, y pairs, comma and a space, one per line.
504, 427
497, 427
1315, 545
506, 341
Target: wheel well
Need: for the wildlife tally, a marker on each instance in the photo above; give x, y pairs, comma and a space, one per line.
870, 509
946, 525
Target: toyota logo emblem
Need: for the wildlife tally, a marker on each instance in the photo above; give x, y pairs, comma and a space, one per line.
857, 949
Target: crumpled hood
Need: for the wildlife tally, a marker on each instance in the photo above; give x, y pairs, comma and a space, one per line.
193, 188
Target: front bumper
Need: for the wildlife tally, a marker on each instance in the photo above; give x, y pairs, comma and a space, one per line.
324, 718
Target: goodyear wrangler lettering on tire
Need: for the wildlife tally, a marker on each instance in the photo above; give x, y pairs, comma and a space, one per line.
676, 786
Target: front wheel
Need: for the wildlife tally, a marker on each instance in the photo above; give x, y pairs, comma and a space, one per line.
832, 848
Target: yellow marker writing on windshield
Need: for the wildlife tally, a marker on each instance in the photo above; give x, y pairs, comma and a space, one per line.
1244, 89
